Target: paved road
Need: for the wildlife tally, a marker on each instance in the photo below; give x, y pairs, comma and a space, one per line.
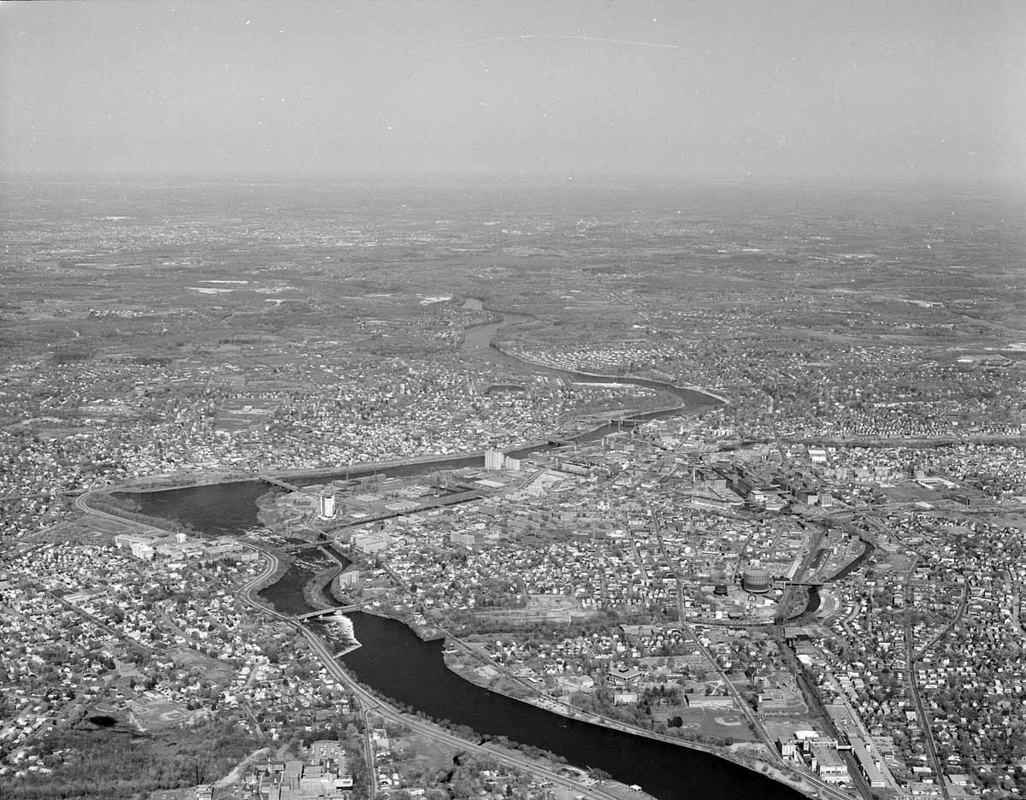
81, 503
373, 703
372, 768
913, 683
962, 607
121, 636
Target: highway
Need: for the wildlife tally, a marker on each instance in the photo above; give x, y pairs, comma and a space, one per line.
371, 702
81, 503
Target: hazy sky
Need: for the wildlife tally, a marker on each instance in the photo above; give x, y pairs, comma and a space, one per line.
859, 88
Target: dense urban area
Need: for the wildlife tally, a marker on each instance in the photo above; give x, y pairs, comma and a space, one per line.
747, 475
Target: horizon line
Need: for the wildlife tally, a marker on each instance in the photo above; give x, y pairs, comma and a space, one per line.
242, 176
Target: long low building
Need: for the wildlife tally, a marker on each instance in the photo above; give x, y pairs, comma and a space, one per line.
868, 765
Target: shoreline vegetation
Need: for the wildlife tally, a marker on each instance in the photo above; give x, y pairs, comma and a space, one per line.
743, 754
316, 590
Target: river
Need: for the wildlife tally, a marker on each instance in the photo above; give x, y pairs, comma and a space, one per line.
220, 509
479, 344
396, 663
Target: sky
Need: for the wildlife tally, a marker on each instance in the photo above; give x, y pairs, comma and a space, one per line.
732, 89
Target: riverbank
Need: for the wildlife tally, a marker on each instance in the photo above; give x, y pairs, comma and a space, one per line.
744, 754
483, 674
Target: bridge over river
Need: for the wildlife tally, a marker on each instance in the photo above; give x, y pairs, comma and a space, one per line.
324, 611
291, 487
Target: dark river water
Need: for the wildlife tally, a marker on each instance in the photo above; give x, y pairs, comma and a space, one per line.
396, 663
222, 509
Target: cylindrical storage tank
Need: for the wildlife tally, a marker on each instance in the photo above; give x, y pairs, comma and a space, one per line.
755, 579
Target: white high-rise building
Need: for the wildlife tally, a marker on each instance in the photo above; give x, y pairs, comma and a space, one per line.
494, 459
327, 507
